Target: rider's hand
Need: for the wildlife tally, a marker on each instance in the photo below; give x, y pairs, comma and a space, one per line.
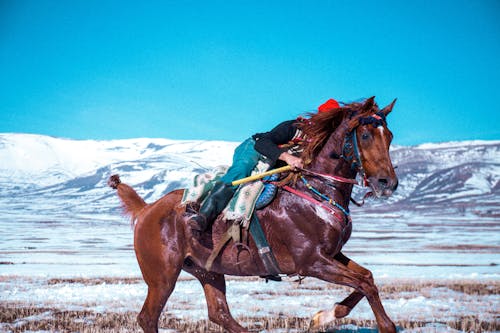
293, 161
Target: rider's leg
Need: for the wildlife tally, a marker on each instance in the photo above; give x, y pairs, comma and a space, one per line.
215, 202
245, 159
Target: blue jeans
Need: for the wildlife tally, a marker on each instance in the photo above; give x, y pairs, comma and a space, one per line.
245, 159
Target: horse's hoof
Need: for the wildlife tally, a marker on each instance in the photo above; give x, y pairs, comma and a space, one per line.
320, 319
341, 311
314, 324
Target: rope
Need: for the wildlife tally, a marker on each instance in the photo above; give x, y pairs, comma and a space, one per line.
325, 197
311, 199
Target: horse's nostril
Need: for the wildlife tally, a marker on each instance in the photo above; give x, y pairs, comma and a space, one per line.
383, 181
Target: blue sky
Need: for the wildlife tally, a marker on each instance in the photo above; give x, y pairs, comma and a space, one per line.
223, 70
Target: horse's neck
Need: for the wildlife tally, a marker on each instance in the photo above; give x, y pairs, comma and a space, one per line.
325, 164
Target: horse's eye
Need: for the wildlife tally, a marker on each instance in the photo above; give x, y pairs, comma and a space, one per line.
365, 136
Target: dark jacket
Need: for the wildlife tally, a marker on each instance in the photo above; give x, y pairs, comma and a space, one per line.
268, 143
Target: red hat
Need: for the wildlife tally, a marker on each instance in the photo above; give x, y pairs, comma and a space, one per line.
328, 105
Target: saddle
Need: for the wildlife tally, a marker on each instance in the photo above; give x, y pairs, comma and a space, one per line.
248, 197
239, 212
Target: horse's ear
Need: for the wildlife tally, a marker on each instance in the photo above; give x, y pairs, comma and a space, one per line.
369, 103
388, 108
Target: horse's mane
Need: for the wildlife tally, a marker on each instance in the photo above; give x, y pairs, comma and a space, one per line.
319, 126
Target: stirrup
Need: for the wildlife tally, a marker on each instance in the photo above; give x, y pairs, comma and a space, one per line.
268, 278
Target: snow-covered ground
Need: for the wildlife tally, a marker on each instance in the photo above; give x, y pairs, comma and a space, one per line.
58, 220
252, 298
391, 246
398, 249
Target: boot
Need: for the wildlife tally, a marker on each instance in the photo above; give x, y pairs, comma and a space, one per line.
213, 205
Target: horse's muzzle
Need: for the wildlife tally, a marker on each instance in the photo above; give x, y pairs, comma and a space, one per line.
383, 186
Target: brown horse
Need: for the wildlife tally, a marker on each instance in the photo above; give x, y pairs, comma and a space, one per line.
306, 237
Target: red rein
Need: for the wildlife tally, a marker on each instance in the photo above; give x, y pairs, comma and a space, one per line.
314, 201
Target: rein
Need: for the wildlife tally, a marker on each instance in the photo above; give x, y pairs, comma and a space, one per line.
314, 201
328, 203
350, 153
329, 177
325, 197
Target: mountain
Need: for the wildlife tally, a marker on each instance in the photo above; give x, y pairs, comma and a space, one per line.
60, 175
454, 177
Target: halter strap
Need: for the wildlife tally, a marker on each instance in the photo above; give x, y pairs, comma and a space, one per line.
351, 148
377, 119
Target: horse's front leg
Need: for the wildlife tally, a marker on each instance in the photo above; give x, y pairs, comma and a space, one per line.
342, 309
342, 270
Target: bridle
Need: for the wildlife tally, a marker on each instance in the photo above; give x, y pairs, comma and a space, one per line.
350, 150
351, 154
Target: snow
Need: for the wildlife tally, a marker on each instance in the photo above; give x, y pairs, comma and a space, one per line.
456, 144
49, 160
102, 247
58, 219
483, 181
256, 297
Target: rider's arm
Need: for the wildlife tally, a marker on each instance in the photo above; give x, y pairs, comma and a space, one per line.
293, 161
268, 143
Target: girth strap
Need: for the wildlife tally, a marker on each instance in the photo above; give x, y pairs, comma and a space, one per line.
265, 252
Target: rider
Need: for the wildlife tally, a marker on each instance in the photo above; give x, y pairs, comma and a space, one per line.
271, 146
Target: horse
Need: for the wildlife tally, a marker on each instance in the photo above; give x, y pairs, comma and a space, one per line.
306, 232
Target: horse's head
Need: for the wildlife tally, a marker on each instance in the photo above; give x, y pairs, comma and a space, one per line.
370, 141
357, 136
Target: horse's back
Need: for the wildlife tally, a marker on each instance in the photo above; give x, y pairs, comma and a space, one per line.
161, 208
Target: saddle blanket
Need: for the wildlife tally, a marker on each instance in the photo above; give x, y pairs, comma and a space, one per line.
241, 206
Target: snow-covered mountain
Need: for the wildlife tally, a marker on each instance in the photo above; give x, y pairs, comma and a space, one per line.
69, 175
454, 177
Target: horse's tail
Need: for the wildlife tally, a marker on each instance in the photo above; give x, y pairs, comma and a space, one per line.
131, 201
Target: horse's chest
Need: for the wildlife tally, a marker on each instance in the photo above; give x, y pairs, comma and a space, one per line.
330, 218
336, 229
327, 216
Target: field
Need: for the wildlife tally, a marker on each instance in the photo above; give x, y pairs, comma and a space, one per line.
111, 304
435, 274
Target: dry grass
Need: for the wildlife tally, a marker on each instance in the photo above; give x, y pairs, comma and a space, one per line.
395, 287
94, 281
467, 287
20, 319
101, 280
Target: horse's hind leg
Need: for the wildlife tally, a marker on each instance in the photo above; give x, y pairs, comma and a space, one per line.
153, 306
160, 267
214, 286
160, 283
